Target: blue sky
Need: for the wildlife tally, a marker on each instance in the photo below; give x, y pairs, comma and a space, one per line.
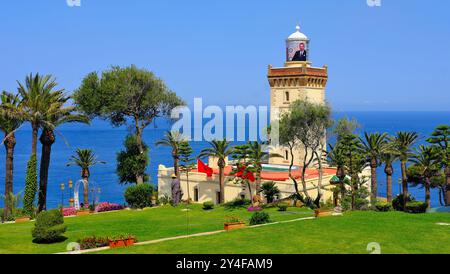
394, 57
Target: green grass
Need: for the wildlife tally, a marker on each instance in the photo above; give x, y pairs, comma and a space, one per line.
397, 233
146, 225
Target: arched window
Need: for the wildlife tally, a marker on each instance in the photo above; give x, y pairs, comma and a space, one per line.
286, 155
286, 96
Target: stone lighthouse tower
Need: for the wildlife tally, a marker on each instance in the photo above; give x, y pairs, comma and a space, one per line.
297, 79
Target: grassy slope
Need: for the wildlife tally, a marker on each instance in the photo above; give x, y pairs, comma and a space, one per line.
396, 232
145, 225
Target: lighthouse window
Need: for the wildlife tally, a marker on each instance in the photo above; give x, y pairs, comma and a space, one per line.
287, 96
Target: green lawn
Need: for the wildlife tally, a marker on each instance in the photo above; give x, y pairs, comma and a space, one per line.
396, 232
146, 225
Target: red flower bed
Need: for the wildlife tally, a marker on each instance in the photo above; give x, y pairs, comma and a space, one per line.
104, 207
69, 211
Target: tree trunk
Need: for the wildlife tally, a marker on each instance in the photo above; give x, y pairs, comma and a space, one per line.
10, 143
389, 188
258, 180
34, 137
86, 191
291, 151
47, 140
222, 185
139, 177
447, 189
404, 183
427, 192
373, 180
176, 165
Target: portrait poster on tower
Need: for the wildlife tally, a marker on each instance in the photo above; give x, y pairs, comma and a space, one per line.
297, 51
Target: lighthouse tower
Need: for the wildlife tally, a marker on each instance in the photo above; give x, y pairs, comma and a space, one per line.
296, 80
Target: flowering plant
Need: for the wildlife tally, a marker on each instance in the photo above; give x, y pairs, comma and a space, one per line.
105, 206
254, 209
69, 211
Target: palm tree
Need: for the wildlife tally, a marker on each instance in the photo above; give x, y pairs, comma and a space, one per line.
337, 158
427, 160
59, 115
85, 159
388, 159
38, 98
373, 146
173, 139
403, 143
220, 150
9, 125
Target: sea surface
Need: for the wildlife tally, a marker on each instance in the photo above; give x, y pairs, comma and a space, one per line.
106, 141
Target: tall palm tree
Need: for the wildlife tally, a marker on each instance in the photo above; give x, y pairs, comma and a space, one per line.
85, 159
427, 159
173, 139
403, 143
9, 125
58, 116
373, 146
38, 98
220, 150
388, 159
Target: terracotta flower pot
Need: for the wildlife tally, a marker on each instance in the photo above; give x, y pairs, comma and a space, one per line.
232, 226
319, 213
130, 241
117, 243
22, 219
83, 213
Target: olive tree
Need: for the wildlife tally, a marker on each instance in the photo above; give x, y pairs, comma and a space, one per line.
126, 95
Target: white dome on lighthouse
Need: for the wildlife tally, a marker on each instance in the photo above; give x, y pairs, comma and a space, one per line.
297, 36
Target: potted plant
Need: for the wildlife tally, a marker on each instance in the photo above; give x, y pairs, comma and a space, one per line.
131, 240
83, 211
122, 241
117, 242
233, 223
322, 212
22, 219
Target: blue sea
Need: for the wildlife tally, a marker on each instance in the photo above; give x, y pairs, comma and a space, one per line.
106, 141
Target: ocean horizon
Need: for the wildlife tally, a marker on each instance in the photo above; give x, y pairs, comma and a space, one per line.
106, 141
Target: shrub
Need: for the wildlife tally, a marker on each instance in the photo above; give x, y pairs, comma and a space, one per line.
93, 242
49, 226
383, 206
139, 196
208, 205
270, 191
282, 206
416, 207
259, 218
238, 202
30, 186
397, 203
104, 207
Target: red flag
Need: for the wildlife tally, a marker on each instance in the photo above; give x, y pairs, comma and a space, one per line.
202, 168
248, 175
